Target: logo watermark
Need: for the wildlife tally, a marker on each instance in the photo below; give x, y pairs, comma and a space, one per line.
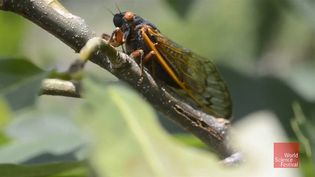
286, 155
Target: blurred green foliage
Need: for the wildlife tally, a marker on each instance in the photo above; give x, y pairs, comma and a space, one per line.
180, 7
264, 50
12, 33
304, 130
20, 81
4, 120
73, 169
145, 148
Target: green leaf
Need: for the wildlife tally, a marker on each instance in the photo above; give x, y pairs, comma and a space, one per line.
268, 22
11, 34
190, 140
35, 132
128, 141
5, 115
20, 82
304, 130
69, 169
181, 7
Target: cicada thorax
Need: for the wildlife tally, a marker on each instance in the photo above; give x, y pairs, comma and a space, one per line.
135, 42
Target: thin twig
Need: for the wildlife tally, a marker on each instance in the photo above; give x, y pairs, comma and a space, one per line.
60, 88
74, 32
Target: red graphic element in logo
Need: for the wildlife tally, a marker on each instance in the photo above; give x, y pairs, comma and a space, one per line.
286, 155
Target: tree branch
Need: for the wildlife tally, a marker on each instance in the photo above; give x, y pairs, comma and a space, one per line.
60, 88
74, 32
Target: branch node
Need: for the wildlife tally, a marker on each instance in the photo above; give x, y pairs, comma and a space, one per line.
60, 88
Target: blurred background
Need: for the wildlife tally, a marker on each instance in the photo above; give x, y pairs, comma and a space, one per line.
263, 48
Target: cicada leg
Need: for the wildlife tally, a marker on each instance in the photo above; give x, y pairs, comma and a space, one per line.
106, 36
116, 39
149, 56
138, 56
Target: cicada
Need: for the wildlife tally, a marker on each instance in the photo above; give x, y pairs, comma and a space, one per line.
193, 77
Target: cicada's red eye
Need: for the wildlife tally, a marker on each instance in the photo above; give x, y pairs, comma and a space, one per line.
129, 16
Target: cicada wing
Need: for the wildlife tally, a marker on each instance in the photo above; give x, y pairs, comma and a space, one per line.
199, 75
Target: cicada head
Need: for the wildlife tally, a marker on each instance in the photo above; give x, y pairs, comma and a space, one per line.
118, 20
125, 21
123, 18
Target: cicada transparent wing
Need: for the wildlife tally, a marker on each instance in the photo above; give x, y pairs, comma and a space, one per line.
198, 76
